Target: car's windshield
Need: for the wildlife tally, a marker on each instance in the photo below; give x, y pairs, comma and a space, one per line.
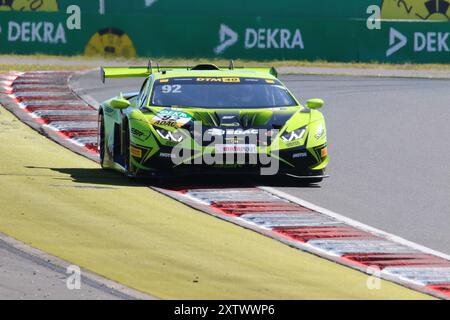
220, 92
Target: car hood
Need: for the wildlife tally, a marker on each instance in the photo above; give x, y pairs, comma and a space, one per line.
264, 118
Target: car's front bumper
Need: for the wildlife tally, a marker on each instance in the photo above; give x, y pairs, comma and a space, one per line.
298, 162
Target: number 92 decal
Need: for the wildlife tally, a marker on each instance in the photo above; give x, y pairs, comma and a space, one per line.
167, 88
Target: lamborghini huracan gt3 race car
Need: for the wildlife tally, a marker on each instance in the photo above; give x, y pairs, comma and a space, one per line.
209, 119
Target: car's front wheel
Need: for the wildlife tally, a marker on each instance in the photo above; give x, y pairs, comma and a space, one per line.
130, 170
101, 140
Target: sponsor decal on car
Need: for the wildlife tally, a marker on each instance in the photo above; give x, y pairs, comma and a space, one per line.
135, 152
231, 132
216, 79
136, 132
299, 155
166, 155
170, 118
292, 144
235, 148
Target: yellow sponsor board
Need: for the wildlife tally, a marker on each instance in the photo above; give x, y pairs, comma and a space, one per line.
422, 10
110, 42
29, 5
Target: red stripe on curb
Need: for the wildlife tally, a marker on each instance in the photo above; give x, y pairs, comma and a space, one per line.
45, 98
304, 234
238, 208
46, 89
76, 130
242, 211
35, 79
92, 147
33, 107
443, 288
53, 73
384, 260
255, 204
80, 133
89, 147
88, 118
40, 82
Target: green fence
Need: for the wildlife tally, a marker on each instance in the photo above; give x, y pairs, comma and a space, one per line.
411, 30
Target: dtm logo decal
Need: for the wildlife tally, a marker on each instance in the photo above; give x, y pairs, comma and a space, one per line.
261, 38
422, 42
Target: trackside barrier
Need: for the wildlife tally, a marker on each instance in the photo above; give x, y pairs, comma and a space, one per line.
412, 31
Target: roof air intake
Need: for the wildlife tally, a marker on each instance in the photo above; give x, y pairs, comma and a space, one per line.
205, 66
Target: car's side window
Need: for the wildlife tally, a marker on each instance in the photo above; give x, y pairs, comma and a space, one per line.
147, 94
143, 96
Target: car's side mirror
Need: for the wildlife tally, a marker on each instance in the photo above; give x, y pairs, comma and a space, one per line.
314, 103
119, 103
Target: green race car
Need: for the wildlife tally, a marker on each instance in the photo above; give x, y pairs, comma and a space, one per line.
208, 119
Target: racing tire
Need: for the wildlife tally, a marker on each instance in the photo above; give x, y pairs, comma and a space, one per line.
128, 166
101, 140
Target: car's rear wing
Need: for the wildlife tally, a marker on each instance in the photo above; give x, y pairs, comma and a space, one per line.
130, 72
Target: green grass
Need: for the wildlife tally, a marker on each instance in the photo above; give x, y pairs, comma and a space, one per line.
50, 62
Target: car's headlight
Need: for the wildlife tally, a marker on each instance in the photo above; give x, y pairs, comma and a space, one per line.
319, 131
174, 136
293, 135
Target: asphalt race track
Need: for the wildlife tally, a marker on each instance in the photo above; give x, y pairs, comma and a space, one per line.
23, 276
387, 141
